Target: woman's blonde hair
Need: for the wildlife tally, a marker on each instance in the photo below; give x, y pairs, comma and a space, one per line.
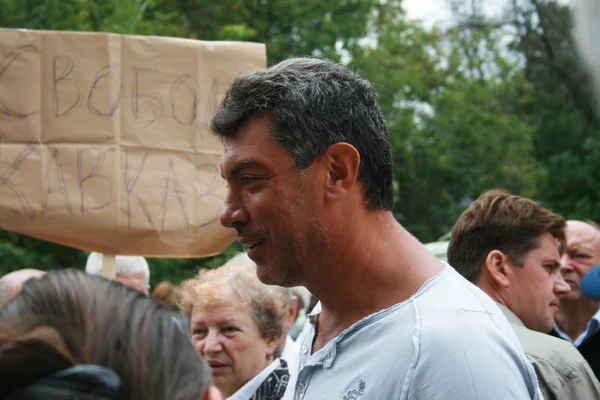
238, 282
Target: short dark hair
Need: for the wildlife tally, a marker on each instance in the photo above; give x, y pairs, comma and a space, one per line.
68, 318
313, 104
498, 220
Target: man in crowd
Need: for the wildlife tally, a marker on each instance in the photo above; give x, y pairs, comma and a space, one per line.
132, 271
11, 284
308, 163
510, 247
578, 318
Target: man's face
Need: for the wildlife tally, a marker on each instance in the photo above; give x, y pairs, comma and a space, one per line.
581, 255
135, 281
537, 286
274, 208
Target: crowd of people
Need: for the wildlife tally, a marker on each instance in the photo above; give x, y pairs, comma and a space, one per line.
308, 164
66, 333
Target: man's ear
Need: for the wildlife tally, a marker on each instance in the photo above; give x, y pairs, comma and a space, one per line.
212, 393
342, 162
293, 311
496, 267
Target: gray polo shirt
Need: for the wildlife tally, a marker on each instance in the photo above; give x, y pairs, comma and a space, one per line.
448, 341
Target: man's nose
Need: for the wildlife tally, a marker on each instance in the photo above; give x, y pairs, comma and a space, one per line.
565, 263
233, 211
561, 288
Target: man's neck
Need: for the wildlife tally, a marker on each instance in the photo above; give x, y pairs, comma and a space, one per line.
574, 316
385, 266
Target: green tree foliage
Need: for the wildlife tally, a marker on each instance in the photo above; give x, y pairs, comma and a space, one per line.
451, 102
117, 16
288, 27
561, 108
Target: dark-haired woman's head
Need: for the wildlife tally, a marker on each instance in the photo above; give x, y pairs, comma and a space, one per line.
68, 319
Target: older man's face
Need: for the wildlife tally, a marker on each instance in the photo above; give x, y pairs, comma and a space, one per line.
581, 255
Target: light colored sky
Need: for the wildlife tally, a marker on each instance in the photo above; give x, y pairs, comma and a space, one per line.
430, 11
437, 12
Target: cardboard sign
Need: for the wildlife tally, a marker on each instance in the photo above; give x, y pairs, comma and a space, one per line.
104, 140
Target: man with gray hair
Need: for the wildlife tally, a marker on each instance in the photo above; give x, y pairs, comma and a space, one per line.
578, 318
307, 158
132, 271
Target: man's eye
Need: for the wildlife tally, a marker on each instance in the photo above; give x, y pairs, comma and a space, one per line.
551, 267
200, 332
247, 179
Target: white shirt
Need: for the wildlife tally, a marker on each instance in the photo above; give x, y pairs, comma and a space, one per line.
592, 327
246, 391
447, 341
291, 355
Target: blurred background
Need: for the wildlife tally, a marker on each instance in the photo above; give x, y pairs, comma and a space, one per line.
478, 94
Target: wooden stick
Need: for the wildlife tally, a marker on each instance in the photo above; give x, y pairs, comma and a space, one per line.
109, 268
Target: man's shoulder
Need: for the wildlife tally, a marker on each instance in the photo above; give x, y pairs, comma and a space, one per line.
452, 287
478, 346
543, 349
453, 295
437, 302
466, 319
561, 369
